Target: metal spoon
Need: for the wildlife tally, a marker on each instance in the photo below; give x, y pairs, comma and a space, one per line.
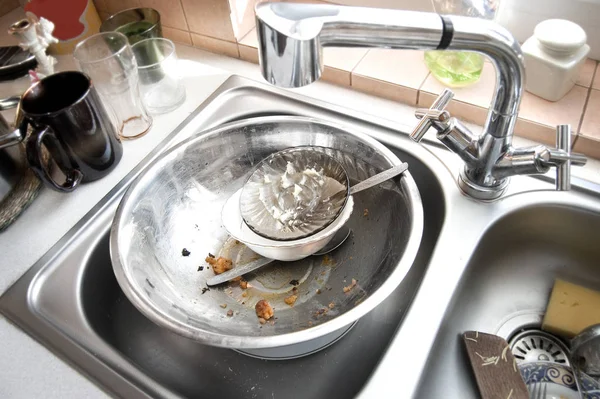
338, 239
378, 178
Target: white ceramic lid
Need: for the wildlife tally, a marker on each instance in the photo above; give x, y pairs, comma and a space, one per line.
560, 35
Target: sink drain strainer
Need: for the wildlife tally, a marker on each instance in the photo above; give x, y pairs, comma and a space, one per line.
538, 346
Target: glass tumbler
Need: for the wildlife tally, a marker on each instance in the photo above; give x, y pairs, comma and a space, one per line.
160, 80
136, 23
459, 68
108, 59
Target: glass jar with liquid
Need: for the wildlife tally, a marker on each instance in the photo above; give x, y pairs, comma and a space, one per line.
459, 68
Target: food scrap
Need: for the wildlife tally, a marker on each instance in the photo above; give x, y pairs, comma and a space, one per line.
328, 260
263, 310
320, 312
366, 212
223, 305
185, 252
230, 313
331, 305
290, 300
220, 264
243, 284
348, 288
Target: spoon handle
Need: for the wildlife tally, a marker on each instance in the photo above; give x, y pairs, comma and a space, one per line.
238, 271
379, 178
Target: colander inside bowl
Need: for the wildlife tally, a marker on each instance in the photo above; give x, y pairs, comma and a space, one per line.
294, 193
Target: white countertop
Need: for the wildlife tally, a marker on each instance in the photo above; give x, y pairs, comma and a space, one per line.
29, 370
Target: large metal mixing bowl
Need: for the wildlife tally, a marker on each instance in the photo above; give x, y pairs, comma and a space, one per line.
176, 204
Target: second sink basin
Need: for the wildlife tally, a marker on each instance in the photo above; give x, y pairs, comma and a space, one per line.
506, 286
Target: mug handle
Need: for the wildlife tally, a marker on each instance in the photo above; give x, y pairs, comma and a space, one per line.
34, 157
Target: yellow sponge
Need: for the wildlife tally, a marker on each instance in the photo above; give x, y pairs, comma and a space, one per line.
571, 309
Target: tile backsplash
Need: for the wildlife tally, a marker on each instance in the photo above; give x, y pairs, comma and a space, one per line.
7, 6
227, 27
215, 25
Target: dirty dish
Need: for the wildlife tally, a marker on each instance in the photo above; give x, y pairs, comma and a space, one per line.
176, 204
280, 250
558, 379
294, 193
297, 192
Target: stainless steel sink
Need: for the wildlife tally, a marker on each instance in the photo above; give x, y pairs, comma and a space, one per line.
71, 301
485, 266
507, 282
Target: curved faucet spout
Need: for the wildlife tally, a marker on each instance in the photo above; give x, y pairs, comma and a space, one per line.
291, 38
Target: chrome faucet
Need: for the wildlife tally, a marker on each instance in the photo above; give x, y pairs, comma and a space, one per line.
291, 37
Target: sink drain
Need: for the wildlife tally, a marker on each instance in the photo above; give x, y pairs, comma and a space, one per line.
538, 346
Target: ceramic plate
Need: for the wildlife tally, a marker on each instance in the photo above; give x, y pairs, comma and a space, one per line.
559, 379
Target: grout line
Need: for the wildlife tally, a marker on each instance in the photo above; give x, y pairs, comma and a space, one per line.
356, 66
179, 29
214, 38
185, 17
245, 34
421, 87
585, 104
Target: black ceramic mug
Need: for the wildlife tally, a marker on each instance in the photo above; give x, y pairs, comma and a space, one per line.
68, 117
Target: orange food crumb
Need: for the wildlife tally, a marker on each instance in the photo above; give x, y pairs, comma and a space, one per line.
328, 260
220, 264
290, 300
348, 288
264, 310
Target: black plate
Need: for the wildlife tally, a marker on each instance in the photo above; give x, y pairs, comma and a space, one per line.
15, 62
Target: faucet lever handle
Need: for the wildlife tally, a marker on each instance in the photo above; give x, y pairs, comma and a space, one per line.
435, 113
563, 169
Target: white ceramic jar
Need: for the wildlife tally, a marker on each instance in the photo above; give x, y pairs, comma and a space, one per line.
553, 58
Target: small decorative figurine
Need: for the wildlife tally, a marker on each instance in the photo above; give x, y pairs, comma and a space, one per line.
35, 35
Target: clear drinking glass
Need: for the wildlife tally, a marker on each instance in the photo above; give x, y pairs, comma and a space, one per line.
108, 59
136, 23
459, 68
160, 81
